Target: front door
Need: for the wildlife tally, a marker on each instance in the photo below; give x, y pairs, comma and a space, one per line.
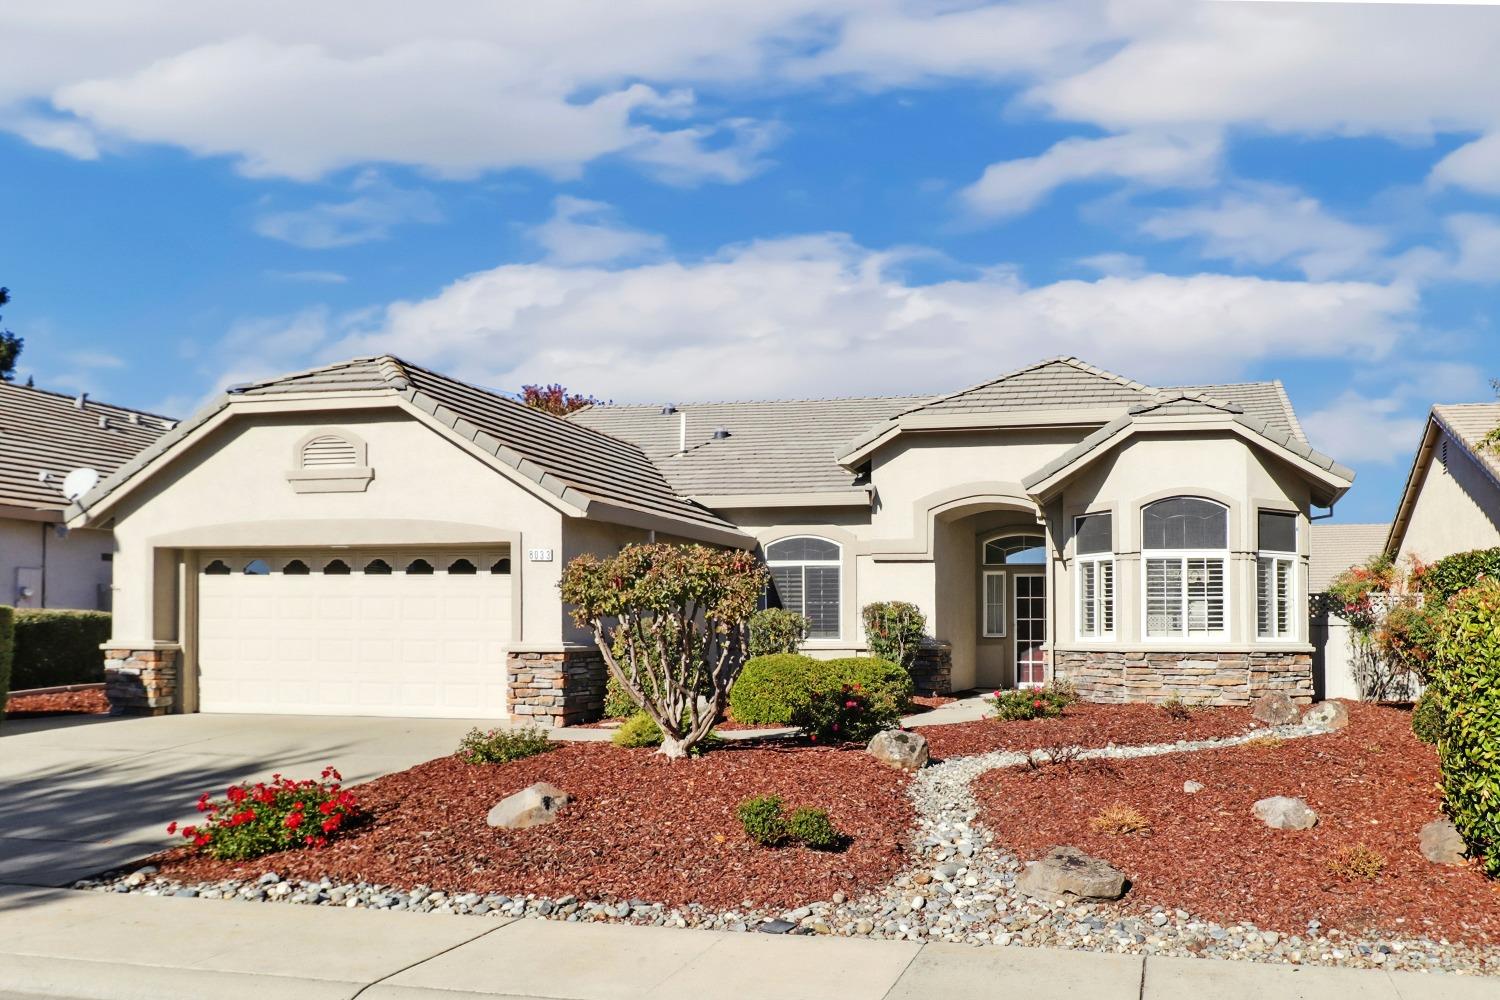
1029, 628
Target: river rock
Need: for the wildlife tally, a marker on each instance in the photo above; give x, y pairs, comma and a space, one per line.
536, 805
1441, 843
1281, 812
1066, 874
1330, 715
1192, 787
1274, 709
899, 748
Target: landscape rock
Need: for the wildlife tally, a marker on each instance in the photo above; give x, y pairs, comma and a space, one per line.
1066, 874
1192, 787
899, 748
1441, 843
1281, 812
1330, 715
1274, 709
536, 805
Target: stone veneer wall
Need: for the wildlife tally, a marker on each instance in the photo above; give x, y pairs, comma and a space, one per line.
140, 681
932, 670
560, 688
1235, 678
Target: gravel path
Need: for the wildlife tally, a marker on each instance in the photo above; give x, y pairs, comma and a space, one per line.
960, 888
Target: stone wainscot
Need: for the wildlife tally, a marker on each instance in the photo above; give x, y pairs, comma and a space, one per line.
1205, 678
557, 687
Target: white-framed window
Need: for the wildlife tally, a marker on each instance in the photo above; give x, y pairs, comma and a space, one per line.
994, 604
1276, 575
1185, 569
1016, 550
1094, 569
806, 573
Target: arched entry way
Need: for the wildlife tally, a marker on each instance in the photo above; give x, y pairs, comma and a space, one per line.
1013, 607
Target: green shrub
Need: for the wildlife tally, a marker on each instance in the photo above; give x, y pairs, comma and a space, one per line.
894, 631
7, 647
500, 746
1459, 571
1021, 704
1427, 717
1467, 677
278, 815
640, 730
813, 827
763, 820
776, 630
55, 647
841, 716
771, 689
618, 703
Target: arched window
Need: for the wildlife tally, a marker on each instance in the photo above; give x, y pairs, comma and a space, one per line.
501, 567
1015, 550
1185, 563
419, 567
461, 567
217, 568
257, 567
377, 567
336, 567
295, 568
805, 577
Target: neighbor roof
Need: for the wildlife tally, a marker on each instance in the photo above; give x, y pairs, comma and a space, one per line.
573, 462
48, 432
1466, 424
1334, 548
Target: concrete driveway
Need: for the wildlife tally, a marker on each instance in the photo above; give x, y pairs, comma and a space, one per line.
82, 794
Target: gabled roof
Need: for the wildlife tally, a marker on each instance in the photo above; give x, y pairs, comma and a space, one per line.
1056, 383
592, 471
1335, 547
773, 447
1466, 424
47, 432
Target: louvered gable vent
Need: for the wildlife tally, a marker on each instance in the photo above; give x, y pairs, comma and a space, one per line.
329, 450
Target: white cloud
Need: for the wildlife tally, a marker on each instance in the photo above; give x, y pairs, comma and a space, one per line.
375, 209
1475, 165
73, 138
1120, 265
820, 314
1476, 240
1014, 186
1356, 428
1264, 225
583, 232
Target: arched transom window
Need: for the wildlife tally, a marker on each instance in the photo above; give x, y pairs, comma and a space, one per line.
805, 577
1185, 562
1015, 550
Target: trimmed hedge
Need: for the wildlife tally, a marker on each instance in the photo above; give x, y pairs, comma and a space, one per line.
1467, 677
7, 647
1459, 571
771, 689
55, 647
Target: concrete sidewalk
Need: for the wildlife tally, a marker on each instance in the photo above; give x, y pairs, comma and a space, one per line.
58, 943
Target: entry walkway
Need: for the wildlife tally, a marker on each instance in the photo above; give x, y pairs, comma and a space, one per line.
98, 946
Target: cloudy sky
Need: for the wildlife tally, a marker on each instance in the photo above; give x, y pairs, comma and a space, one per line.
680, 200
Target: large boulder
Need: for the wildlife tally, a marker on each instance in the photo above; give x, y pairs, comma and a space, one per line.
536, 805
1330, 715
1067, 875
1274, 709
1281, 812
899, 748
1441, 843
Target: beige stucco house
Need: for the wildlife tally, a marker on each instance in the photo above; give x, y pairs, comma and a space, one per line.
44, 436
375, 538
1451, 502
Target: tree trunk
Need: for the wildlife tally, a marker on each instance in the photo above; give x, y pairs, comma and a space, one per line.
672, 749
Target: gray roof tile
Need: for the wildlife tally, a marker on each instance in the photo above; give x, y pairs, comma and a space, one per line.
1334, 548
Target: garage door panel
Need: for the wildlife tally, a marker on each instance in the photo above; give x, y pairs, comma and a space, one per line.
397, 644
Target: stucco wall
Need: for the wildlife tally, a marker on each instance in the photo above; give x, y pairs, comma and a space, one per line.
1457, 507
75, 573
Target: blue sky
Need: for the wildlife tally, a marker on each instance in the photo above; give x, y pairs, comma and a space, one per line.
674, 200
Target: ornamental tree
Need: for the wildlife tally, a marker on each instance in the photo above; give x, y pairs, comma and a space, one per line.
556, 399
894, 630
671, 622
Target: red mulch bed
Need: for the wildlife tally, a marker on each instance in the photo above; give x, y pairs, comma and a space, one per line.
640, 827
1086, 725
1372, 783
26, 706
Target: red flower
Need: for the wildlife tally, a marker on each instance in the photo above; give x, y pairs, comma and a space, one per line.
293, 820
237, 794
330, 824
1037, 703
203, 803
171, 827
200, 840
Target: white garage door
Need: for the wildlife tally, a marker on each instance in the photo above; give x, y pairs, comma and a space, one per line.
393, 633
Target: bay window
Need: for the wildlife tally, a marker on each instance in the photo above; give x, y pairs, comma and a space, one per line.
1275, 575
1185, 565
1093, 540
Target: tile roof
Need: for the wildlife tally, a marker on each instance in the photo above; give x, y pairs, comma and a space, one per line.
1465, 423
49, 432
1265, 401
574, 462
779, 446
1056, 383
1336, 547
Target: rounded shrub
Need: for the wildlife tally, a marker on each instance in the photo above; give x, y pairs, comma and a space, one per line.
763, 820
1459, 571
1467, 678
813, 827
1427, 717
640, 730
771, 690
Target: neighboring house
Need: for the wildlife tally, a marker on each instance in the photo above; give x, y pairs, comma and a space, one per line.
1335, 548
375, 538
44, 436
1452, 498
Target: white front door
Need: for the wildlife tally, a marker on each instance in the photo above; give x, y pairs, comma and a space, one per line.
1029, 628
421, 634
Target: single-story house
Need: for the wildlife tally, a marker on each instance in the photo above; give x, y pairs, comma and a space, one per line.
1451, 502
45, 436
375, 538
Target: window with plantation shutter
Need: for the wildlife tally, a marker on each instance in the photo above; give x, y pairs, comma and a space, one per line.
1185, 565
1275, 575
806, 577
1093, 536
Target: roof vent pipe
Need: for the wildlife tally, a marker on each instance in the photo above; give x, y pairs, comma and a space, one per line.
720, 433
135, 418
103, 423
668, 409
80, 400
681, 432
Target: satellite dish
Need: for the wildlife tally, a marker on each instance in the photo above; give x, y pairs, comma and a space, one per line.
78, 482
